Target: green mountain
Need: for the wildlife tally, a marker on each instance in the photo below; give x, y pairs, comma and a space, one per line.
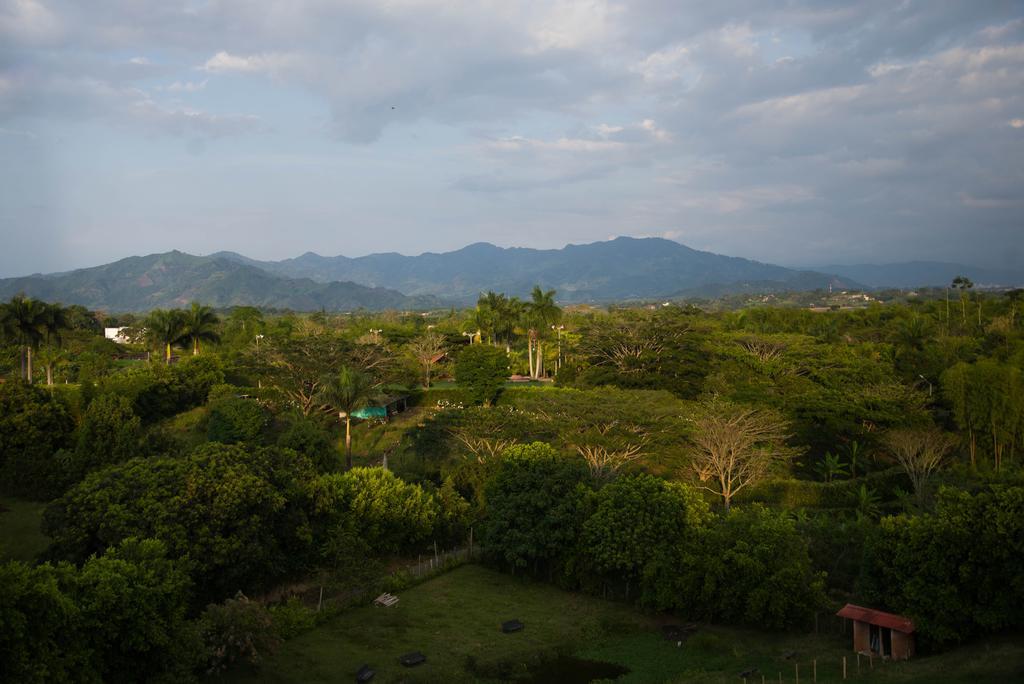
174, 279
616, 270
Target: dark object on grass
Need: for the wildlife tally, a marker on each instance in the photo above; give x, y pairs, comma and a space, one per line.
512, 626
749, 673
789, 655
365, 674
413, 659
678, 632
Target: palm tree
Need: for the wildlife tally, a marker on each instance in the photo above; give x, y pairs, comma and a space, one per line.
166, 327
54, 321
541, 313
200, 324
346, 392
24, 319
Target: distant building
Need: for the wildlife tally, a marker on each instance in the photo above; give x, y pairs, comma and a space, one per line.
119, 335
879, 633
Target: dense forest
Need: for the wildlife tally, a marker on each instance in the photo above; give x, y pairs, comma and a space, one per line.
754, 466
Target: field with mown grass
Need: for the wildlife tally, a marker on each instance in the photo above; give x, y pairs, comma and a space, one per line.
455, 621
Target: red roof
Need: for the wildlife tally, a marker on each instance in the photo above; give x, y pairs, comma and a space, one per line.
877, 617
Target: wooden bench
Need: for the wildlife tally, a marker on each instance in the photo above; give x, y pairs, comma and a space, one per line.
386, 600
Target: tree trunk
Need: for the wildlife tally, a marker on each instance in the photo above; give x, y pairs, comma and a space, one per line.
167, 354
21, 360
529, 351
195, 346
49, 374
348, 442
29, 366
540, 358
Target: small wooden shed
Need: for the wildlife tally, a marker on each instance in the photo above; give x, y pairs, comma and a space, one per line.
879, 633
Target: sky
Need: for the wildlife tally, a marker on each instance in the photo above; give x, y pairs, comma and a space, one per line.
798, 132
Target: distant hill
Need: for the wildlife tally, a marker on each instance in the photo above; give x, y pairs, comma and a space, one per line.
616, 270
925, 274
174, 279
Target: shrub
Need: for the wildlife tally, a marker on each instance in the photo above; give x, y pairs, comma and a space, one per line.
33, 427
312, 441
482, 370
237, 630
110, 433
236, 420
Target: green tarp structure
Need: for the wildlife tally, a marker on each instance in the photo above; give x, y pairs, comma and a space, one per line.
379, 412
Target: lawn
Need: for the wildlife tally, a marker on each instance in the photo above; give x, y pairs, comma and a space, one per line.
20, 537
454, 620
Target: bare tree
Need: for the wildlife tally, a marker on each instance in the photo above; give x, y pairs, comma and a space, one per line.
483, 448
920, 452
605, 462
427, 350
736, 446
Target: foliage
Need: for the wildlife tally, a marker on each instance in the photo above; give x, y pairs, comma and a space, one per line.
635, 526
751, 567
236, 420
237, 630
381, 510
121, 617
533, 514
956, 571
308, 437
482, 371
33, 427
110, 433
239, 513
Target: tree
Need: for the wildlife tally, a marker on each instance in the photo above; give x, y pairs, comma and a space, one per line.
831, 466
24, 319
236, 419
34, 426
54, 322
753, 567
200, 323
427, 350
920, 452
482, 371
963, 284
110, 433
346, 392
239, 513
167, 328
735, 446
635, 524
533, 516
540, 313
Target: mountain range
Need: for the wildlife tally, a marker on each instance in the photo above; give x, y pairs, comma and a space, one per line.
622, 269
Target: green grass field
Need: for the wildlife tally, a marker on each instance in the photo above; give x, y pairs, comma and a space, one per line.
454, 620
20, 537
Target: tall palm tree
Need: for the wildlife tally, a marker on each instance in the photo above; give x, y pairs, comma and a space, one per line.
346, 392
541, 313
166, 326
54, 321
200, 324
25, 318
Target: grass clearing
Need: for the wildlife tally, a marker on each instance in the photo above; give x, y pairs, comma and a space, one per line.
20, 536
455, 621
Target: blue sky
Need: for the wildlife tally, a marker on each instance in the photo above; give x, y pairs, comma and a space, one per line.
799, 132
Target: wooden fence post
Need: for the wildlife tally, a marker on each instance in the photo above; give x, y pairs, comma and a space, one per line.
797, 667
844, 667
814, 670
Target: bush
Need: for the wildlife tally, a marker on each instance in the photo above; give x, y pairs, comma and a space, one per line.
33, 427
236, 420
752, 567
385, 513
110, 433
956, 571
121, 618
239, 514
312, 441
534, 511
237, 630
482, 371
